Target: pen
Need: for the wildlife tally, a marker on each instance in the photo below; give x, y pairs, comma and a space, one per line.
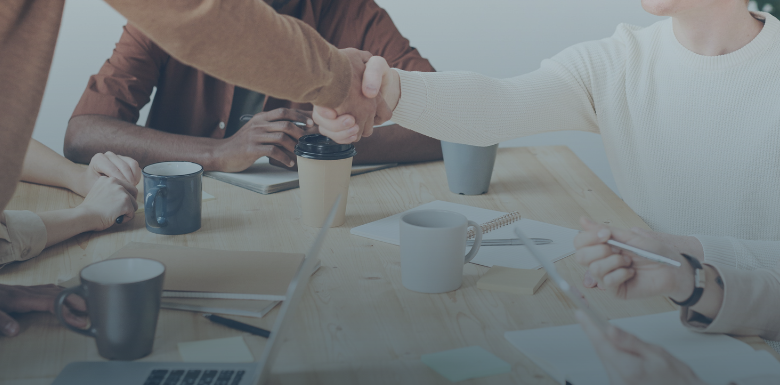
233, 324
643, 253
248, 117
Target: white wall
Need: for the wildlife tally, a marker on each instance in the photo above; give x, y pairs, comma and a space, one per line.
499, 38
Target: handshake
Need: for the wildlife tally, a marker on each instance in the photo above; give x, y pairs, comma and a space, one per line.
372, 97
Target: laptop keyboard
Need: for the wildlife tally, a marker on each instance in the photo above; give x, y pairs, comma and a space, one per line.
194, 377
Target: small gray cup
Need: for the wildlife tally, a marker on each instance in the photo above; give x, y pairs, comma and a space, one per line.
469, 168
123, 301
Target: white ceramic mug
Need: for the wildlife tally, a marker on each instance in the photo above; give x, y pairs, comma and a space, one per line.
433, 245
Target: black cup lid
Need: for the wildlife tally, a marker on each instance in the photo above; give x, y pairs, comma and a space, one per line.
320, 147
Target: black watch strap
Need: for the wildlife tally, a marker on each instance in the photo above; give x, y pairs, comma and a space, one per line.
698, 282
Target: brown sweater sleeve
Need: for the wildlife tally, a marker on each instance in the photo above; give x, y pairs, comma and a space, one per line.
233, 39
125, 82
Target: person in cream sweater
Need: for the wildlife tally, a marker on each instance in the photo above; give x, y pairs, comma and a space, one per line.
687, 111
686, 108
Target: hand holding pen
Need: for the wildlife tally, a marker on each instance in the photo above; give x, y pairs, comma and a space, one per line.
627, 273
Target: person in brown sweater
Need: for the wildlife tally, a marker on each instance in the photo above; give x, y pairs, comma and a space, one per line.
196, 117
227, 39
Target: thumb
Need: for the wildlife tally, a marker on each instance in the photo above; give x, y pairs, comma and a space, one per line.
8, 326
373, 75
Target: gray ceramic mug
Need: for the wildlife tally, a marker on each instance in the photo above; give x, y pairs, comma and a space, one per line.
123, 302
173, 194
469, 168
433, 250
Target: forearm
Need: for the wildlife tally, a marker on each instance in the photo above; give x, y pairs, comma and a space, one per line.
245, 33
64, 224
395, 144
88, 135
469, 108
44, 166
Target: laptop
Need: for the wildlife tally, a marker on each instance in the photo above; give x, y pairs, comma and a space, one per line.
179, 373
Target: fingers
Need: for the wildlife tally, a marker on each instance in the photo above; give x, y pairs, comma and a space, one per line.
342, 129
129, 188
287, 128
588, 280
117, 166
373, 76
287, 114
278, 154
8, 326
134, 167
617, 277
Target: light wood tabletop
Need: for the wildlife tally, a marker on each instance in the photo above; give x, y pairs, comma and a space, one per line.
357, 323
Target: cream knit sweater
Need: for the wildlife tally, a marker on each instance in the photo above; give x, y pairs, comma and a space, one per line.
693, 141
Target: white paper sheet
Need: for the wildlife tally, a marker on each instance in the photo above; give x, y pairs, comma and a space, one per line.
388, 230
566, 353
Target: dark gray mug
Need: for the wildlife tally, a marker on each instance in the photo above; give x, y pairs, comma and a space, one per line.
469, 168
173, 195
123, 301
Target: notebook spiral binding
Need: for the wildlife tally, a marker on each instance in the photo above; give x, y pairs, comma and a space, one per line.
502, 221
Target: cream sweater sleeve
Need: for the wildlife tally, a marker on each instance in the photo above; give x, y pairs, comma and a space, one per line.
749, 306
22, 236
470, 108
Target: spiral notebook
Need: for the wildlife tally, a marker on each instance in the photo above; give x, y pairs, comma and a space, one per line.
388, 230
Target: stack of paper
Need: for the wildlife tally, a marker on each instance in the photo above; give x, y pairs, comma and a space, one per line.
566, 354
264, 178
388, 230
248, 283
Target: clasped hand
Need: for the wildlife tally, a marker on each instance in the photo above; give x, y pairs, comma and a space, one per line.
373, 96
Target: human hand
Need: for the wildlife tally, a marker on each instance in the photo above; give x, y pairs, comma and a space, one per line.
272, 134
631, 361
109, 199
364, 106
25, 299
628, 275
108, 164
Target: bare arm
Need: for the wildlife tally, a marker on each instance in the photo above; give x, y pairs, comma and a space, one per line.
44, 166
269, 133
395, 144
91, 134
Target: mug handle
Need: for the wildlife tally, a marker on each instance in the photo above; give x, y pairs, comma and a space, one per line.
477, 241
60, 300
151, 214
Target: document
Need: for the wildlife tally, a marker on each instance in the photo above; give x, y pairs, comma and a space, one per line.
388, 230
566, 354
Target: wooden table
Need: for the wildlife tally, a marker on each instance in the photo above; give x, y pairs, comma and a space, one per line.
357, 323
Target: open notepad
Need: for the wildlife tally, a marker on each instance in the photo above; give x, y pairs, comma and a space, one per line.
246, 283
566, 354
264, 178
388, 230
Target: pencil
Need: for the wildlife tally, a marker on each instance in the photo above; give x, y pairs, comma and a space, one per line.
233, 324
645, 254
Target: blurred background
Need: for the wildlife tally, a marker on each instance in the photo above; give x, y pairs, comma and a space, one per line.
499, 38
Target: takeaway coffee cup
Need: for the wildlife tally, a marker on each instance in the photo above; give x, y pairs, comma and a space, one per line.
469, 168
324, 168
123, 301
433, 245
172, 197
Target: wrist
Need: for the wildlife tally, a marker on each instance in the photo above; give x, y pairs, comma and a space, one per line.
89, 218
684, 283
212, 158
394, 90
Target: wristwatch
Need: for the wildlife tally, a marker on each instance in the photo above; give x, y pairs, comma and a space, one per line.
699, 280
